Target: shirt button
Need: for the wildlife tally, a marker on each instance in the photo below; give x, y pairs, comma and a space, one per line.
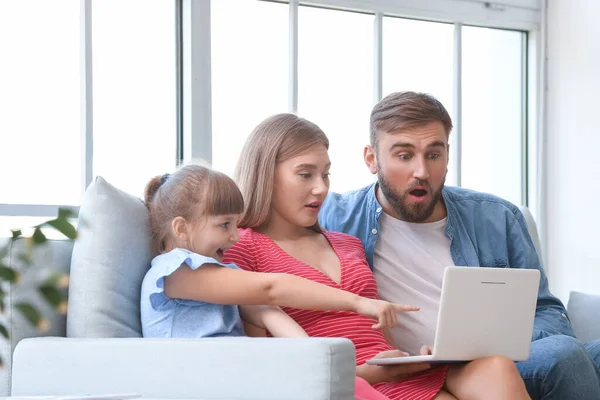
374, 231
378, 209
564, 315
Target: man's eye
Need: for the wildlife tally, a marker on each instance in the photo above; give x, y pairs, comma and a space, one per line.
405, 156
434, 156
305, 176
326, 176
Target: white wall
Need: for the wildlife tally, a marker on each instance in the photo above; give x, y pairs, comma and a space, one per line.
573, 146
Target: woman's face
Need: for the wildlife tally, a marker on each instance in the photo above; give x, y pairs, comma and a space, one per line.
300, 187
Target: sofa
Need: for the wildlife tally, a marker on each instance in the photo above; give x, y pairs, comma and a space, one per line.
97, 347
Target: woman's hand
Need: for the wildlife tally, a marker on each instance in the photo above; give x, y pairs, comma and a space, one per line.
385, 313
389, 373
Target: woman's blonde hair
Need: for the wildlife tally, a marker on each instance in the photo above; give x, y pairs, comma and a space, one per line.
276, 139
191, 192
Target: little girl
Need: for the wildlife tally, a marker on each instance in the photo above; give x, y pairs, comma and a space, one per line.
193, 219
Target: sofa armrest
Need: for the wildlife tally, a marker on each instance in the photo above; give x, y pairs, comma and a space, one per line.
584, 312
221, 368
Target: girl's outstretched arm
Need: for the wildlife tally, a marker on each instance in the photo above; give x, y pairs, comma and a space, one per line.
220, 285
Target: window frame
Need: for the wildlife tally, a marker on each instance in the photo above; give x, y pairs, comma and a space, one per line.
193, 44
87, 112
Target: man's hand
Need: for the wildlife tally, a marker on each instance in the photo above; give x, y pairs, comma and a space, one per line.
389, 373
426, 350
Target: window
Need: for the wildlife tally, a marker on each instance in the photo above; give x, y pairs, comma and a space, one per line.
249, 67
335, 87
134, 89
492, 95
418, 56
40, 154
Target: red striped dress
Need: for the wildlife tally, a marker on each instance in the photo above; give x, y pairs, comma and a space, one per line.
257, 252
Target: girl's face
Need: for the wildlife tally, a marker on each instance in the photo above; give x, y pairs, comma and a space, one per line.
212, 235
300, 187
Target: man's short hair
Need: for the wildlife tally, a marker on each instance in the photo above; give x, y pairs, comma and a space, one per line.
402, 110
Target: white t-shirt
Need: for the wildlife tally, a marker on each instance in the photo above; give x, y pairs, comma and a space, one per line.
409, 263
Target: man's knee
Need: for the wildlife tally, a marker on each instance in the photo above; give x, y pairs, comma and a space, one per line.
593, 350
554, 352
560, 365
568, 352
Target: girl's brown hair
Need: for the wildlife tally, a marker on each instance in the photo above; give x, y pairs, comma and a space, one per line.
276, 139
192, 192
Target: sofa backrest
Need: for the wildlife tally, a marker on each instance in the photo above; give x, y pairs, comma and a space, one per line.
110, 258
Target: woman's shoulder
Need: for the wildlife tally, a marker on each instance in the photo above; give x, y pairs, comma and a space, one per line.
342, 237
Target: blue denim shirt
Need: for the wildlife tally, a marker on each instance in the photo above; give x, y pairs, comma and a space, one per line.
484, 230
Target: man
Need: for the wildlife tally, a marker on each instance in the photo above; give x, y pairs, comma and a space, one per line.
412, 227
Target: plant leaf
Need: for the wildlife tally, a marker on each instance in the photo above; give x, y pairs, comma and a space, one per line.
30, 313
8, 274
16, 233
51, 294
64, 227
38, 237
4, 331
65, 213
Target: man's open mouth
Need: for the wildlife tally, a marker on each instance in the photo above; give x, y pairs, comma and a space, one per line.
418, 192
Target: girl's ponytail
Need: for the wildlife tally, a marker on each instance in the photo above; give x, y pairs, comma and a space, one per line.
151, 189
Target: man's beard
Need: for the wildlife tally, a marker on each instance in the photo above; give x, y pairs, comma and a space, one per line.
415, 212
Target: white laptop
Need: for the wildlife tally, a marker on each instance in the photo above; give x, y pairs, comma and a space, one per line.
483, 312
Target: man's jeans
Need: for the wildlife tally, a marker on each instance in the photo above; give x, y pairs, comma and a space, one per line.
561, 367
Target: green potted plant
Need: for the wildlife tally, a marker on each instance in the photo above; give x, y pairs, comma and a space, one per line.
53, 289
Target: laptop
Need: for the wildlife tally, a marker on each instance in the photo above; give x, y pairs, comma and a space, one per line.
483, 312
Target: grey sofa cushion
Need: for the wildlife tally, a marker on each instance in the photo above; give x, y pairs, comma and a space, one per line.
110, 259
584, 313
